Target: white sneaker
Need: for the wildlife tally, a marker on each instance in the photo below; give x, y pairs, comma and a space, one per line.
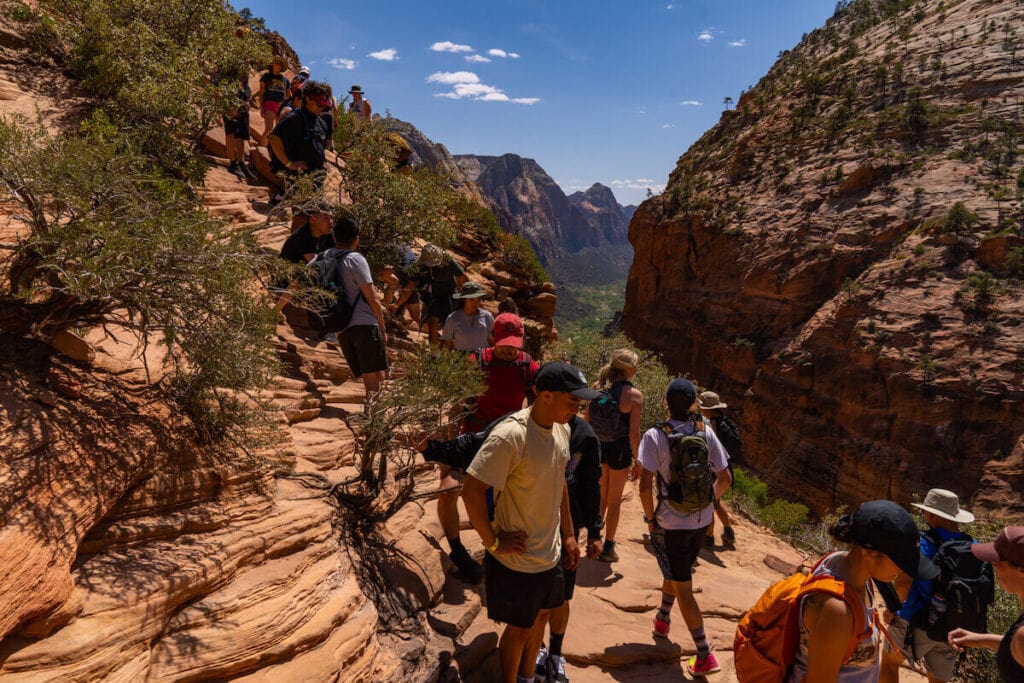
540, 674
556, 665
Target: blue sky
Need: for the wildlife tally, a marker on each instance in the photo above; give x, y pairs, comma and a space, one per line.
599, 91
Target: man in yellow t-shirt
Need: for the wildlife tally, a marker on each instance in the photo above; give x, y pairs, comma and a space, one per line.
524, 460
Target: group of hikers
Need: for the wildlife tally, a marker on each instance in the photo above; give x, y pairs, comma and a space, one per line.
542, 455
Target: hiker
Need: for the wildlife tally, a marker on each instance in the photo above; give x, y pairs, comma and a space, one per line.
364, 341
713, 409
313, 237
615, 417
532, 537
293, 103
509, 372
299, 141
883, 542
678, 522
330, 115
299, 80
359, 106
508, 305
1006, 555
236, 128
918, 631
583, 475
274, 90
468, 328
406, 296
437, 276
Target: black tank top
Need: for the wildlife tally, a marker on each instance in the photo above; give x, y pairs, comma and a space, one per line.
1010, 670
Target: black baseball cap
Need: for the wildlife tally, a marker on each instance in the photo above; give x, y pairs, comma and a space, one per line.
558, 376
884, 526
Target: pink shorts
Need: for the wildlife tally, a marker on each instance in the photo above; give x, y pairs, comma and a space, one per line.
271, 107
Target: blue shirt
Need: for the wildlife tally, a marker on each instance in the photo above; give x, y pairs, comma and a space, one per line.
921, 592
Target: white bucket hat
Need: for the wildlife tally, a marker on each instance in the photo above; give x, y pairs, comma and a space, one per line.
945, 504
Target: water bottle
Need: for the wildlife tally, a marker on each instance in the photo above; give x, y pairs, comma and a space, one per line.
937, 613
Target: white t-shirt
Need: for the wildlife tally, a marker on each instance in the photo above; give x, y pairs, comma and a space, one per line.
654, 457
355, 271
525, 463
468, 332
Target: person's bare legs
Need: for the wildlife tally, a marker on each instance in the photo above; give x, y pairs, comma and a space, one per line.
269, 121
528, 662
512, 650
372, 382
616, 484
890, 670
604, 490
448, 504
560, 618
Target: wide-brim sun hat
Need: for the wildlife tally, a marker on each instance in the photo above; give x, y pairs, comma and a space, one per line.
355, 89
945, 504
431, 255
709, 400
470, 290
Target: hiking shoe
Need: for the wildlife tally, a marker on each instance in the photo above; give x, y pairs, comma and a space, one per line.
556, 669
249, 173
702, 667
469, 569
709, 541
661, 627
608, 554
236, 171
728, 535
276, 199
540, 673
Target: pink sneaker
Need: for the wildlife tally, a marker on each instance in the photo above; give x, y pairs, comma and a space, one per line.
661, 628
702, 667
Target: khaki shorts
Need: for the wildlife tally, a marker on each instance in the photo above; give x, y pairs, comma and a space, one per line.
937, 657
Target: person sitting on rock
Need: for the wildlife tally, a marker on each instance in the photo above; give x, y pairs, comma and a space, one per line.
883, 542
359, 106
437, 276
619, 432
677, 537
236, 127
713, 409
530, 540
299, 142
313, 237
469, 328
274, 90
944, 516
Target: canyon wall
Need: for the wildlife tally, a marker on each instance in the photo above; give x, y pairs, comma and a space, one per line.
809, 259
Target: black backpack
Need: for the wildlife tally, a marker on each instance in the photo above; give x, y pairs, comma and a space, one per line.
962, 593
609, 422
728, 434
690, 487
336, 312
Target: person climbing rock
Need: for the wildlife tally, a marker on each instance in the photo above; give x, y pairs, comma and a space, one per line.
678, 523
469, 328
532, 537
236, 127
274, 90
359, 106
437, 276
298, 143
615, 417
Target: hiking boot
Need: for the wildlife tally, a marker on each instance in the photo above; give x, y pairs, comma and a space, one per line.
661, 627
540, 673
728, 536
702, 667
709, 541
556, 669
469, 569
608, 554
247, 170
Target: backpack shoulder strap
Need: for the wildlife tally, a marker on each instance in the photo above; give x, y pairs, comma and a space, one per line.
837, 588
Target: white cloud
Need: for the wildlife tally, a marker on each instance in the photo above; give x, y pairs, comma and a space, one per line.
668, 125
670, 6
477, 59
706, 36
638, 112
467, 85
691, 103
341, 63
639, 184
452, 77
448, 46
495, 52
738, 43
388, 55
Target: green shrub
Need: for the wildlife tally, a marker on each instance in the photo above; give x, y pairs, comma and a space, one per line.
747, 485
520, 255
109, 242
1014, 263
960, 218
784, 517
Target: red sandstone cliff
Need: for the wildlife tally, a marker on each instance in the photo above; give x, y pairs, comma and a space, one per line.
804, 260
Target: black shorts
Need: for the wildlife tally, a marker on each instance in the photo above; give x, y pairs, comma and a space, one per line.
237, 126
515, 598
438, 308
618, 455
677, 550
363, 349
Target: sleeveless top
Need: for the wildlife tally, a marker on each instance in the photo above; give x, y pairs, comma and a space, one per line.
863, 665
1009, 669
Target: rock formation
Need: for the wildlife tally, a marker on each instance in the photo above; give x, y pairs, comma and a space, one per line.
808, 258
528, 202
431, 154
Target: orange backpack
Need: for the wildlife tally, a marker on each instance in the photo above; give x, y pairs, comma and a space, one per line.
767, 635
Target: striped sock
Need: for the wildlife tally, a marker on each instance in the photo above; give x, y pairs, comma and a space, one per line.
701, 642
665, 611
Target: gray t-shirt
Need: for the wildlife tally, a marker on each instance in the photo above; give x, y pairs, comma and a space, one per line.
355, 271
654, 456
468, 332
